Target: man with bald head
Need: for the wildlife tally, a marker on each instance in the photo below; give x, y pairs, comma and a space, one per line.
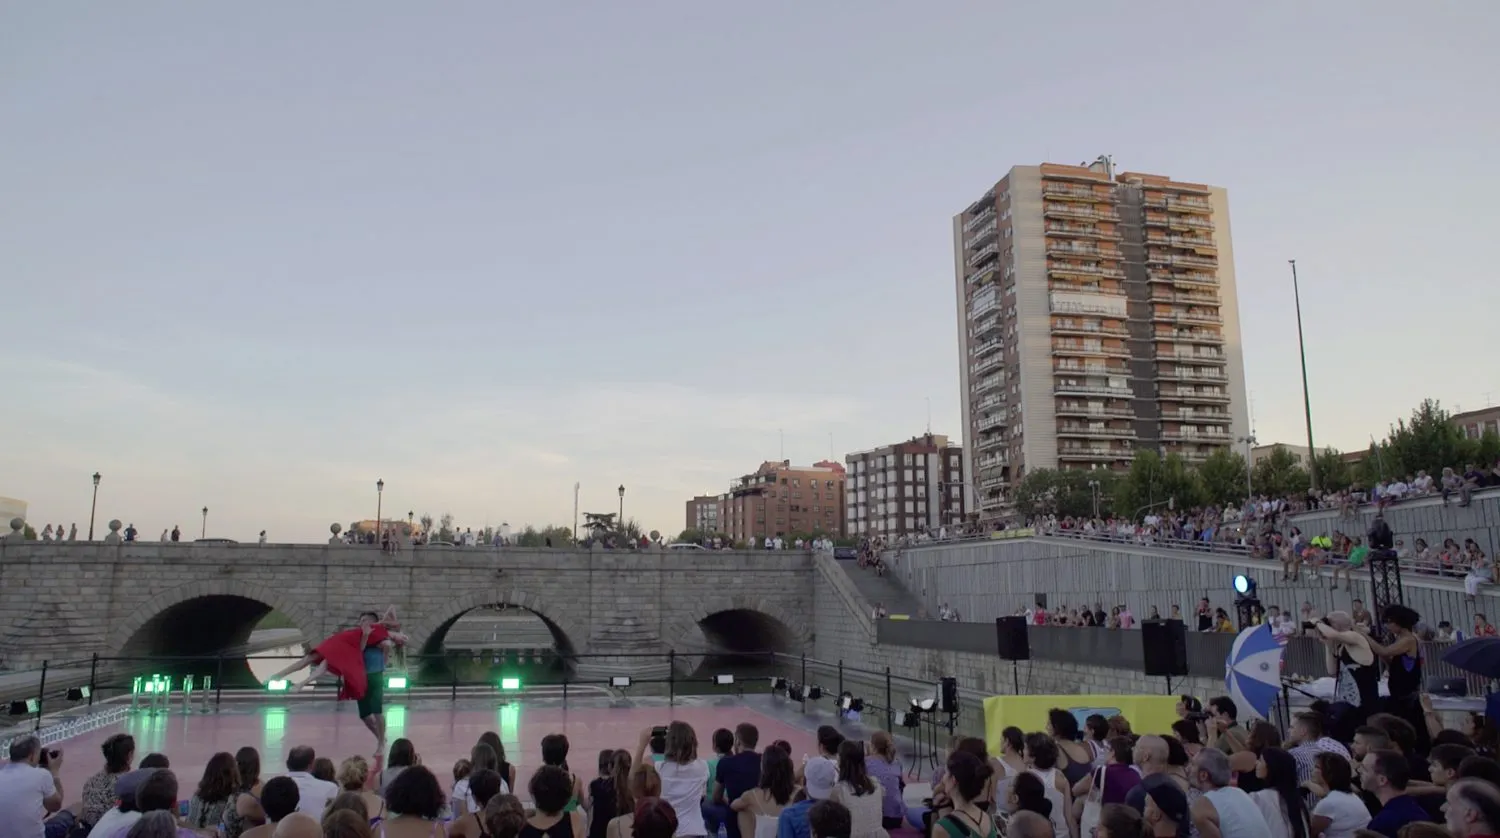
298, 825
1028, 824
1150, 756
1473, 809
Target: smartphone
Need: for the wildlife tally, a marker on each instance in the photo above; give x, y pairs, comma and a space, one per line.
658, 732
182, 808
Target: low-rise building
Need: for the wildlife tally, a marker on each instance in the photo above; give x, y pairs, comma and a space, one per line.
780, 499
703, 514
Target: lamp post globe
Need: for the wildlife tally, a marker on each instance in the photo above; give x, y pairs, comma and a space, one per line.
93, 506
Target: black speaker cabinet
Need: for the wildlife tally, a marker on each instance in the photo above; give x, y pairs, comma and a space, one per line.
1012, 639
948, 695
1164, 643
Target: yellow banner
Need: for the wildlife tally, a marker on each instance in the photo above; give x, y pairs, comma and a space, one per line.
1026, 532
1147, 713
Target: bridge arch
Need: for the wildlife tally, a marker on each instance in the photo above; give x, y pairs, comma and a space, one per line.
203, 618
427, 632
732, 625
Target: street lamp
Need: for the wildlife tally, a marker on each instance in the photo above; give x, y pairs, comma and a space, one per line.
622, 507
1250, 442
379, 497
409, 517
93, 506
1312, 465
204, 532
1094, 488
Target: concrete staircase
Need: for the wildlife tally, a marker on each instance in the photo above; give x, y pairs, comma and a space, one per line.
884, 590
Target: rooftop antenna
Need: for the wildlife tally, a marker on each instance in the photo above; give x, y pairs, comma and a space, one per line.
929, 413
782, 433
830, 447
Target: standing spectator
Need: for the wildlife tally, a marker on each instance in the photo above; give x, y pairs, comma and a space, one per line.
30, 791
176, 533
1223, 810
130, 533
1385, 774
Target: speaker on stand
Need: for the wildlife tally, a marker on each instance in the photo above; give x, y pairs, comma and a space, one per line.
1164, 649
1013, 642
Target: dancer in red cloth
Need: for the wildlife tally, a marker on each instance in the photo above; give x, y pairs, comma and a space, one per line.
355, 655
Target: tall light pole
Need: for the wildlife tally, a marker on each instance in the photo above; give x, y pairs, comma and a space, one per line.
203, 533
409, 516
1312, 465
622, 507
93, 506
1094, 488
379, 497
1249, 454
576, 487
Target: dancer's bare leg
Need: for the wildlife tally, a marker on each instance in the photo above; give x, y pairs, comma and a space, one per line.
306, 661
319, 672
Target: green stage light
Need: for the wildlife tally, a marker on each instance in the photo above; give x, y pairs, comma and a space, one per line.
510, 683
277, 686
135, 686
396, 682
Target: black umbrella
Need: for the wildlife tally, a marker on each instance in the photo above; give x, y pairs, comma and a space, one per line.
1479, 655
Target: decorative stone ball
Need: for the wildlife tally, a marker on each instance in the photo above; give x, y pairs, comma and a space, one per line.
335, 528
17, 524
115, 525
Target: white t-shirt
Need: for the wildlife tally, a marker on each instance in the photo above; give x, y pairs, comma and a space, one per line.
22, 789
683, 785
1345, 813
114, 821
314, 795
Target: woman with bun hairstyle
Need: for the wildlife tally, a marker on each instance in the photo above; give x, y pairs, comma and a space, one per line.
966, 780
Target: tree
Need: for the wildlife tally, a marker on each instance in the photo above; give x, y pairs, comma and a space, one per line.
1486, 450
1153, 482
1334, 472
1065, 493
1428, 442
553, 536
29, 533
426, 522
1223, 475
445, 527
1279, 473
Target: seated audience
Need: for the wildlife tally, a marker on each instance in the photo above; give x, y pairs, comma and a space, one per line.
642, 782
413, 805
1385, 774
552, 789
855, 790
216, 791
827, 819
314, 794
278, 799
771, 795
99, 794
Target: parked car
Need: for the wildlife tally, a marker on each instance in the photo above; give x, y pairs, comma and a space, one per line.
849, 553
685, 545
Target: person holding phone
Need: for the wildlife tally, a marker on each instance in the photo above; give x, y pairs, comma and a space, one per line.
31, 790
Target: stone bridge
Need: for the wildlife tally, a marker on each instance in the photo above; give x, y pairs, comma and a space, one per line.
66, 601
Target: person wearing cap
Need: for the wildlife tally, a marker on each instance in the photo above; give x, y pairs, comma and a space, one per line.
1166, 809
126, 812
819, 776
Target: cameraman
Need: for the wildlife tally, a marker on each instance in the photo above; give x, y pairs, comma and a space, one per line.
29, 792
1382, 541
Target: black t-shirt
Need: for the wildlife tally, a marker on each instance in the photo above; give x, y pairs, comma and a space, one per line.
602, 800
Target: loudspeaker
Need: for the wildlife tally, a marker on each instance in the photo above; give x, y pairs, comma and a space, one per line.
1012, 639
948, 695
1164, 644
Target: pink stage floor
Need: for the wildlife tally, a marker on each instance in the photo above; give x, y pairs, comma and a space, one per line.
441, 733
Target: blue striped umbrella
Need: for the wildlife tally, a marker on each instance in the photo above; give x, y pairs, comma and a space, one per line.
1252, 672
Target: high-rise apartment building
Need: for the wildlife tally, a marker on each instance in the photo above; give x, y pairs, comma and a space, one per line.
909, 487
1097, 315
780, 499
703, 514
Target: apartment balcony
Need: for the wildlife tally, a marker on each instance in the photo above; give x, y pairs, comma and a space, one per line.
1195, 262
1191, 222
976, 221
1074, 368
1189, 279
986, 326
981, 234
989, 251
988, 346
990, 422
1063, 248
1156, 201
1185, 356
1194, 242
1156, 221
1195, 396
991, 443
1094, 432
1197, 317
1088, 348
988, 303
1201, 417
1074, 327
1112, 273
1060, 192
1159, 295
1189, 456
990, 461
1191, 374
1194, 205
1198, 437
1082, 212
991, 382
993, 483
984, 366
991, 402
1085, 409
984, 274
1082, 231
1108, 454
1074, 269
1066, 388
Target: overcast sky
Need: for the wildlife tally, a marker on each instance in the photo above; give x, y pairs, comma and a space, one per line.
256, 256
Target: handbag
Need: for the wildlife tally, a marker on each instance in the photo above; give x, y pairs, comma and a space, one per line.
1088, 825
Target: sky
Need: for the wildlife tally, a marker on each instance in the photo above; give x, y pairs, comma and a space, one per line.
257, 256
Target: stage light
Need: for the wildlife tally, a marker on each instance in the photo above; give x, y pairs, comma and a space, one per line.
723, 680
911, 720
1244, 585
923, 705
814, 693
510, 683
18, 708
277, 686
620, 681
794, 692
778, 685
79, 693
396, 682
850, 704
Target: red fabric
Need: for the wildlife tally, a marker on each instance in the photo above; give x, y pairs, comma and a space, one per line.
346, 658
